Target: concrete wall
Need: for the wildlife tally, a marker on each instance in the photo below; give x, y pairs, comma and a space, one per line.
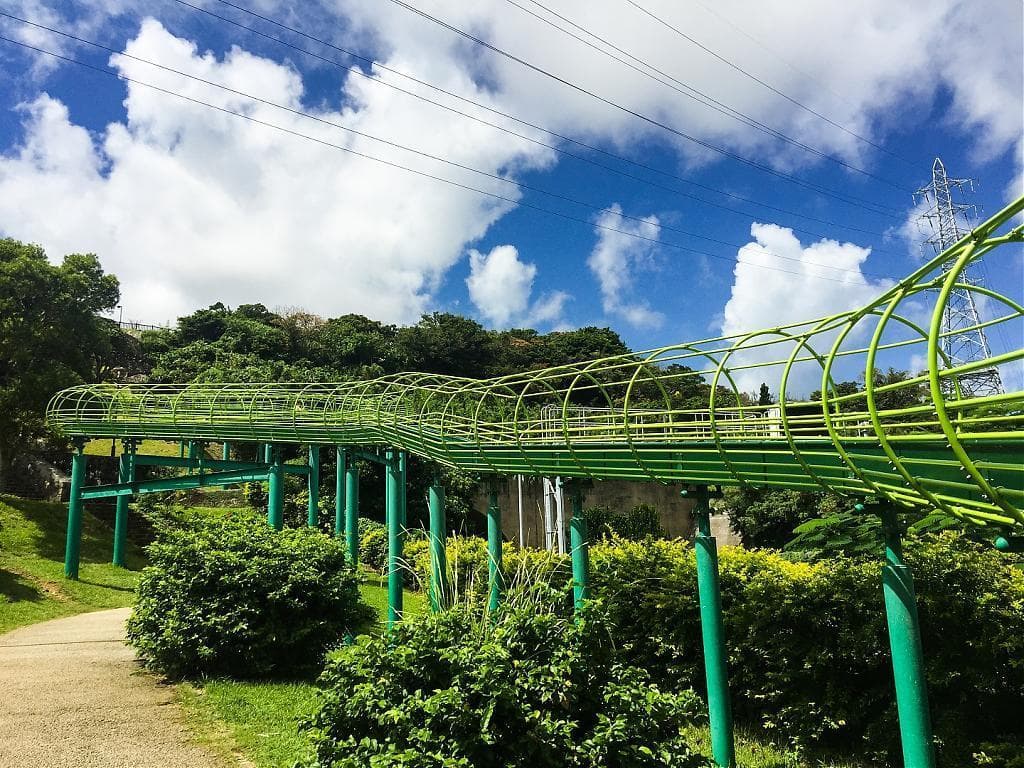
674, 511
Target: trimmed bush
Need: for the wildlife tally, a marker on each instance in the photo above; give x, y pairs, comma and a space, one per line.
808, 648
373, 544
526, 687
228, 596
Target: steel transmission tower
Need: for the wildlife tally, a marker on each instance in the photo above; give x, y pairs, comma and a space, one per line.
963, 341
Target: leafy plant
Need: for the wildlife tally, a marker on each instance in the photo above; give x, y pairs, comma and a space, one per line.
807, 642
228, 596
640, 522
524, 687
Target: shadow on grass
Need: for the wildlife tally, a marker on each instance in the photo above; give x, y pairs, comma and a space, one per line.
107, 585
15, 588
50, 521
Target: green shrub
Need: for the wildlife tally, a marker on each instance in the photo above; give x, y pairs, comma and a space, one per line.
807, 643
527, 687
641, 522
228, 596
467, 560
373, 544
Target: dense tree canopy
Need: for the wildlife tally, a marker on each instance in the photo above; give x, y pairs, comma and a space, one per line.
50, 336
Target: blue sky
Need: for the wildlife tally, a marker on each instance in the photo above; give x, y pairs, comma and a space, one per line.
189, 206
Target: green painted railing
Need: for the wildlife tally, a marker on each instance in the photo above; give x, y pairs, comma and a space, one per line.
677, 414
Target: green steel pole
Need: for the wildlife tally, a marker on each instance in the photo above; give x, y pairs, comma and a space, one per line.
403, 462
74, 532
268, 453
495, 576
275, 491
313, 486
352, 512
393, 498
438, 557
905, 643
580, 553
181, 449
713, 633
125, 474
339, 491
225, 451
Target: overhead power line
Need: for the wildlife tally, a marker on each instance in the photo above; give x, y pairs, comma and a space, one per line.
592, 207
639, 115
660, 76
764, 46
399, 166
518, 120
765, 84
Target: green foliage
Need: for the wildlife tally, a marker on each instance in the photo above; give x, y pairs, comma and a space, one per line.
373, 544
808, 650
768, 517
526, 687
640, 522
444, 343
852, 534
228, 596
50, 336
32, 583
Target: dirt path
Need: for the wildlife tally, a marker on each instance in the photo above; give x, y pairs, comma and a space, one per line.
72, 696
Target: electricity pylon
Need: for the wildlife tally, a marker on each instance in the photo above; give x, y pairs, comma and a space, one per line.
963, 339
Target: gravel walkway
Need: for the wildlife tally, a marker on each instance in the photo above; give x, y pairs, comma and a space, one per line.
72, 696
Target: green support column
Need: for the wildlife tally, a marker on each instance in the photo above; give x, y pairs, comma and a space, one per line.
275, 490
74, 532
181, 449
125, 474
713, 633
403, 462
439, 592
905, 643
268, 453
225, 451
339, 490
580, 553
495, 576
313, 486
352, 512
395, 516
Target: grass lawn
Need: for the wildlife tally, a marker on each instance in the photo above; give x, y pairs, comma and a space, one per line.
32, 583
148, 447
260, 720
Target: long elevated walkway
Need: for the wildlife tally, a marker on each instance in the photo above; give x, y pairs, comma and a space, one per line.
677, 414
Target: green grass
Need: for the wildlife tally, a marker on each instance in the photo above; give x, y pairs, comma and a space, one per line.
148, 447
258, 720
261, 720
32, 583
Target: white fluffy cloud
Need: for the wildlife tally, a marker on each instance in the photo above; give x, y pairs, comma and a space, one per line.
791, 291
617, 258
500, 287
187, 206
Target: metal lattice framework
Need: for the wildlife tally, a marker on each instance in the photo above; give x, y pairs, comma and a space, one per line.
675, 414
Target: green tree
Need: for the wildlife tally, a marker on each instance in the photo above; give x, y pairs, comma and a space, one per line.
445, 343
50, 336
764, 396
766, 517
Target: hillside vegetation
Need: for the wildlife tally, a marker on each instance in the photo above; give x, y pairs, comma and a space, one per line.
32, 583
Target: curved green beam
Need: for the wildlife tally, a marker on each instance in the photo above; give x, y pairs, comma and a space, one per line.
677, 414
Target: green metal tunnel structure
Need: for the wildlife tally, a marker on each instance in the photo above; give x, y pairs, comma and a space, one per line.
676, 415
